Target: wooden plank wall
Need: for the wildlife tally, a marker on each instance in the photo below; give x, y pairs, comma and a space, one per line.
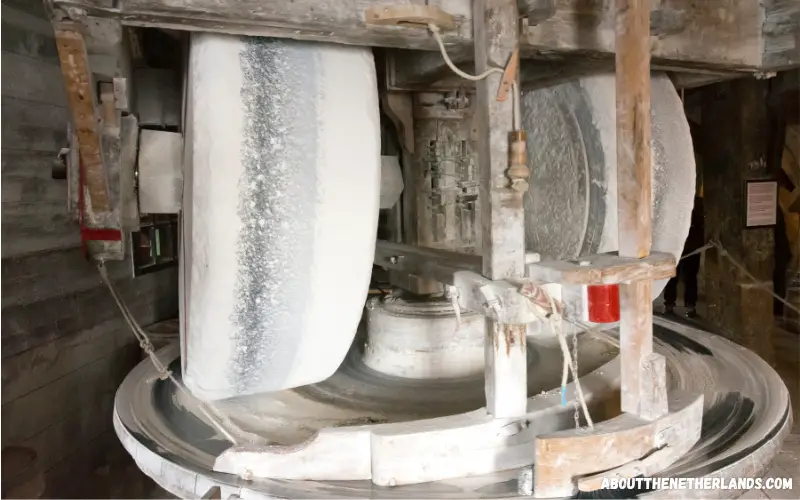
65, 347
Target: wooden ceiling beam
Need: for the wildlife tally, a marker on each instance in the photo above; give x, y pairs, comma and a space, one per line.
724, 35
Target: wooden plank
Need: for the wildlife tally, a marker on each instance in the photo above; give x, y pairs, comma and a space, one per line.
343, 21
34, 79
32, 325
781, 33
100, 468
28, 35
28, 415
27, 177
731, 30
81, 98
33, 8
634, 202
35, 368
564, 457
65, 437
33, 227
33, 126
502, 213
603, 269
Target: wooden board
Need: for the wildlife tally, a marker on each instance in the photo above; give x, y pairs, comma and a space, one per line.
603, 269
735, 34
730, 30
81, 97
563, 458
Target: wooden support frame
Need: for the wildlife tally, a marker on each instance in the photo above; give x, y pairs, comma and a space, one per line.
502, 212
643, 386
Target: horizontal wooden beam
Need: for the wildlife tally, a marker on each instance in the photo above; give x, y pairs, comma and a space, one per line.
722, 35
342, 21
409, 70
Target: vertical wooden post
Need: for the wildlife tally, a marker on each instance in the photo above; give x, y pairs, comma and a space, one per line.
503, 235
85, 116
737, 111
643, 393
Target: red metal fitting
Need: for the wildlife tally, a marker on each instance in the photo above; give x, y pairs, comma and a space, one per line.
603, 303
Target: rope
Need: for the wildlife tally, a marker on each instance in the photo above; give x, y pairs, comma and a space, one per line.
517, 113
453, 293
758, 283
474, 78
164, 373
699, 250
555, 319
713, 243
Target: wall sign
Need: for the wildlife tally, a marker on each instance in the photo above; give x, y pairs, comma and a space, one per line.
762, 203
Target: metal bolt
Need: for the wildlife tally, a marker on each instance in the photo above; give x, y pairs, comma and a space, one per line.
392, 260
525, 482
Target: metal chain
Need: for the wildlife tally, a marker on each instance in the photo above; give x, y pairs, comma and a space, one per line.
164, 373
574, 377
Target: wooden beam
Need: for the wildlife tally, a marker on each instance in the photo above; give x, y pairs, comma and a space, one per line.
85, 117
781, 34
342, 21
634, 206
736, 35
412, 70
730, 29
624, 445
502, 214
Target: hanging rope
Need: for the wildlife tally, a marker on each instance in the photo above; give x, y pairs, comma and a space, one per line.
569, 364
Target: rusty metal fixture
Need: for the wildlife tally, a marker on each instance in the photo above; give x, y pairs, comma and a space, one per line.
518, 171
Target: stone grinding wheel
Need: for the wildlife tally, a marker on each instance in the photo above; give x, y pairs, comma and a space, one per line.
571, 205
261, 256
281, 197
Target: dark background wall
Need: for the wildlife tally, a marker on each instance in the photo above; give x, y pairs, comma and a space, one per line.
65, 347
